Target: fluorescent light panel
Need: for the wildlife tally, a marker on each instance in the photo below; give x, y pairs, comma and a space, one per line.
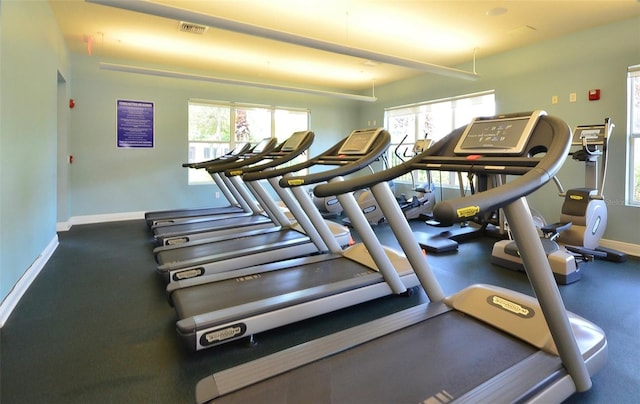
179, 14
220, 80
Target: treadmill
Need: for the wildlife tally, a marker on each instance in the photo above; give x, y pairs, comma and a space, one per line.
209, 226
235, 206
222, 307
482, 344
241, 249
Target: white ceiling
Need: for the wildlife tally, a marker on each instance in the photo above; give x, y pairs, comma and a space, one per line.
440, 32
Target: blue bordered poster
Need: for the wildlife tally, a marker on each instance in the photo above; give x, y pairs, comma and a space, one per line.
135, 120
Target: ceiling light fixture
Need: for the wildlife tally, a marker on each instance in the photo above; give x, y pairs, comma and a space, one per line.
220, 80
175, 13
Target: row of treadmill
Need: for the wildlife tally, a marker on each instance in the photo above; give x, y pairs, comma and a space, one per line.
271, 259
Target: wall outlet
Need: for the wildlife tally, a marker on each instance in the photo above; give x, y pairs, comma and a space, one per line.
554, 99
573, 97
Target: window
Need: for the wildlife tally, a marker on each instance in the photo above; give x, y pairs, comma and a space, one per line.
216, 127
633, 184
433, 120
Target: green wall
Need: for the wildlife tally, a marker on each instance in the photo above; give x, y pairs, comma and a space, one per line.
105, 179
526, 79
31, 59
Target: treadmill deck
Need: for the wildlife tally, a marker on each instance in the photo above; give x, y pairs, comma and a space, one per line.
231, 247
429, 360
210, 225
217, 296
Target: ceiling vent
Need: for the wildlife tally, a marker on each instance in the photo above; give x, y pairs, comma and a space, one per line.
192, 28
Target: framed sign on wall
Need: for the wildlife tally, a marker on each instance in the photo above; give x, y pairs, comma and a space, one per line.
135, 124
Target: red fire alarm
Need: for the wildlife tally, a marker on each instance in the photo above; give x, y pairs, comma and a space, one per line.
594, 95
72, 103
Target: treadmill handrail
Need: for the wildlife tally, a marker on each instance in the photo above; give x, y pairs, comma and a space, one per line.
276, 157
259, 175
233, 154
250, 151
246, 159
348, 164
534, 172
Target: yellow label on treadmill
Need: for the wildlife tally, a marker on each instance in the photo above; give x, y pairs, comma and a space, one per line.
576, 197
295, 183
235, 172
469, 211
511, 306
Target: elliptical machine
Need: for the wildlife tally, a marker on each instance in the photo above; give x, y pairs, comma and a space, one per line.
583, 219
329, 206
586, 207
419, 205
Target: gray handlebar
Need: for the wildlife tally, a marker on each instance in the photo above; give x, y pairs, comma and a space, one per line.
552, 136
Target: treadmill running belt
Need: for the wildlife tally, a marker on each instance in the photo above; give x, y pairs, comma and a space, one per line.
429, 360
180, 214
201, 299
213, 224
235, 247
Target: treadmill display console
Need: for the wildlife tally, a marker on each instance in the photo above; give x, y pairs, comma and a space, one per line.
293, 143
237, 150
359, 141
259, 148
506, 135
592, 135
421, 145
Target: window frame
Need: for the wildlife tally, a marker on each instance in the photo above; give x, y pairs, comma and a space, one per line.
196, 177
418, 110
633, 137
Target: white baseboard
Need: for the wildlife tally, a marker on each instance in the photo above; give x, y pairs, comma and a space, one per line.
89, 219
19, 289
63, 226
627, 248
